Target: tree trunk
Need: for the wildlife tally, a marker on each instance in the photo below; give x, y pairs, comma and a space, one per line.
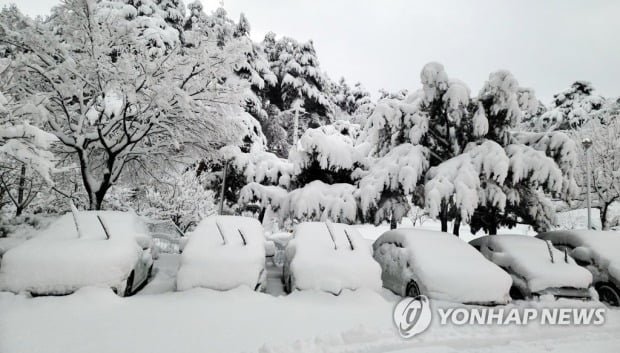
444, 223
457, 226
20, 191
603, 214
96, 194
443, 217
261, 215
393, 223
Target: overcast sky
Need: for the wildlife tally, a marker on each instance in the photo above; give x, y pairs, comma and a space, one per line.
384, 44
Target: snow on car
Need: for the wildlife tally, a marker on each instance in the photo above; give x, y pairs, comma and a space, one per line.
537, 267
90, 248
440, 266
222, 253
329, 257
597, 251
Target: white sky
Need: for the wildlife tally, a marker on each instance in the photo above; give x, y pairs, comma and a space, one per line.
384, 44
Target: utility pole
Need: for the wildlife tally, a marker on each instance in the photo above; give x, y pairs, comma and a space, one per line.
587, 143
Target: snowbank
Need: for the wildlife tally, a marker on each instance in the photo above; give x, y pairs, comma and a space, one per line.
444, 267
222, 253
58, 261
531, 262
598, 248
330, 257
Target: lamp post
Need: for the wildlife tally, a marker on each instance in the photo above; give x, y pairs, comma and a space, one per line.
587, 143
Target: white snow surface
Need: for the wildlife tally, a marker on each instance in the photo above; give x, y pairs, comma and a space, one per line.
529, 258
58, 261
94, 320
445, 267
599, 248
215, 255
331, 257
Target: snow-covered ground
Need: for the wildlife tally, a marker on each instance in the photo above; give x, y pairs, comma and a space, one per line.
159, 319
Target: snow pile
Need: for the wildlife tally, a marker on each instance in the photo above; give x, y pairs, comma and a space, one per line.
60, 262
222, 253
533, 266
597, 248
330, 257
444, 267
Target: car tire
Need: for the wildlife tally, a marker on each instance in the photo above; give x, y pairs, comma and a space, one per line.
608, 293
288, 284
412, 290
516, 294
129, 284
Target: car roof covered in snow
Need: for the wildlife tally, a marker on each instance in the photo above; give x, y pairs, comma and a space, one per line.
331, 257
57, 261
330, 235
118, 224
445, 267
540, 265
601, 248
223, 252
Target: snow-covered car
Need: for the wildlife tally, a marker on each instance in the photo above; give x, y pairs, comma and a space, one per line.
329, 257
439, 266
222, 253
537, 267
598, 252
88, 248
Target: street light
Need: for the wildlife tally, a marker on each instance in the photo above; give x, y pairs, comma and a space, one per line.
587, 143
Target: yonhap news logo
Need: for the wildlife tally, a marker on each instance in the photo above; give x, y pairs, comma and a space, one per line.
413, 316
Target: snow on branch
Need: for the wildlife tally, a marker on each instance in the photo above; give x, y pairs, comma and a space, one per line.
332, 146
398, 171
319, 201
457, 180
259, 166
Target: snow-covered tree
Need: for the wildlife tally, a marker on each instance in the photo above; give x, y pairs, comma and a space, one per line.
178, 196
537, 165
320, 184
435, 117
604, 131
115, 98
462, 159
351, 103
569, 109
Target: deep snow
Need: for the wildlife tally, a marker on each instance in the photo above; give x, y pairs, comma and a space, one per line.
202, 320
